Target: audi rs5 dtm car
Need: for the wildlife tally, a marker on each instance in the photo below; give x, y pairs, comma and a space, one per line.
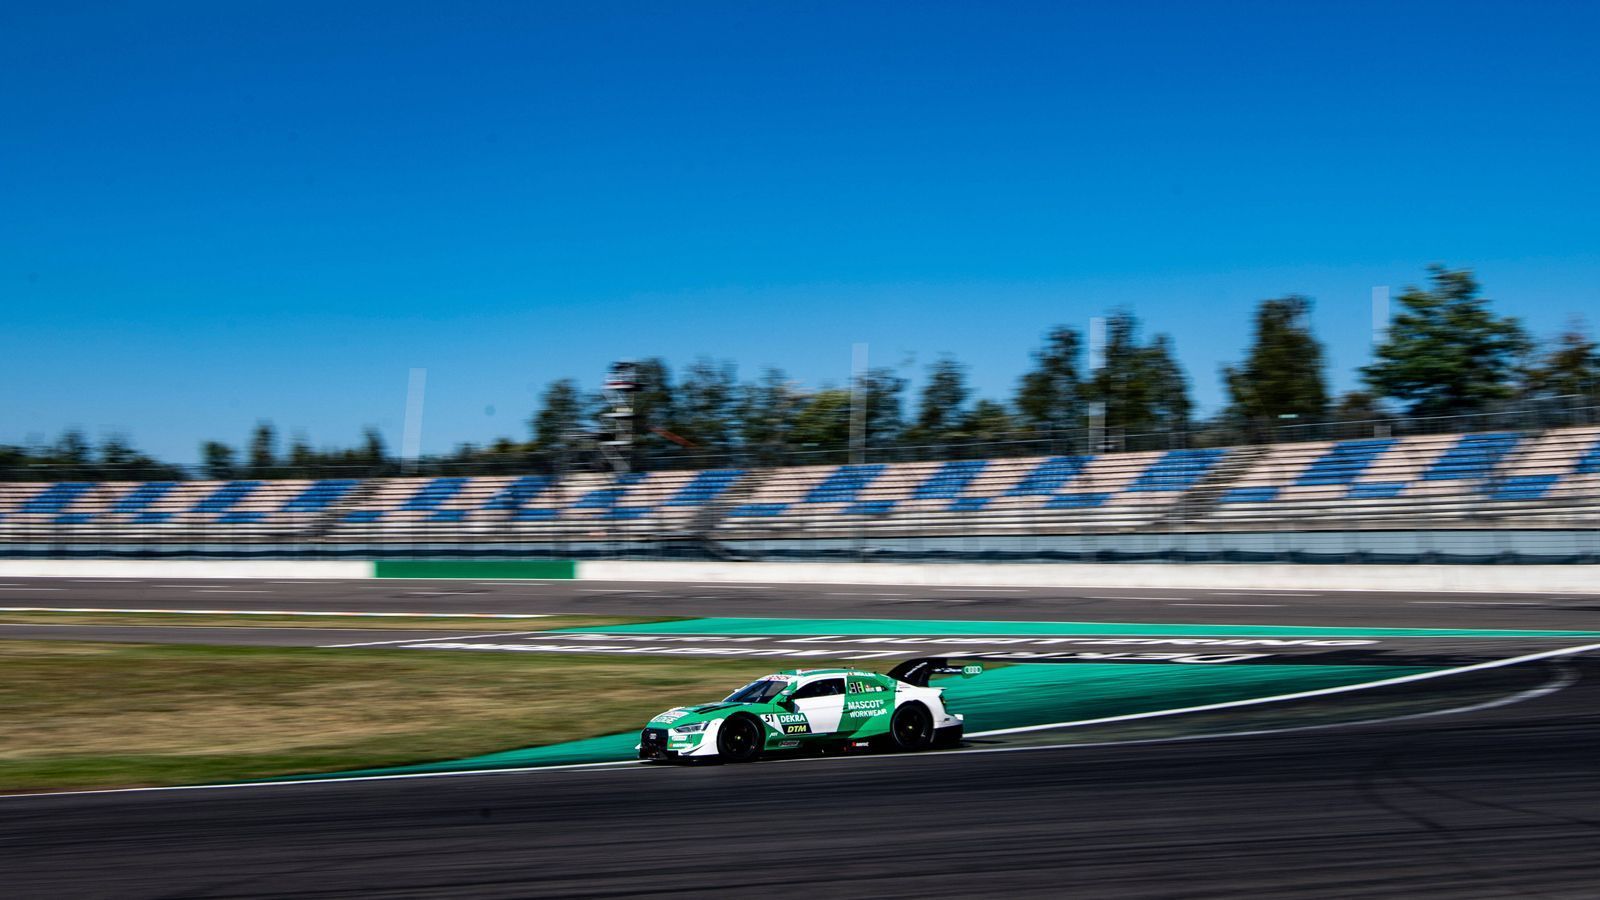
813, 709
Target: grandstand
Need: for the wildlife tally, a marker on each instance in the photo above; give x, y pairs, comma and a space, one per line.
1543, 480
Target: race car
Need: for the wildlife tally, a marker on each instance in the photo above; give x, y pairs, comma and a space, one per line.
813, 709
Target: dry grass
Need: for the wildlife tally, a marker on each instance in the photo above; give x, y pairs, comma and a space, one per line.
95, 715
383, 623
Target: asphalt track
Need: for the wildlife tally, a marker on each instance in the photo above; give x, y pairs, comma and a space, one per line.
1467, 610
1499, 801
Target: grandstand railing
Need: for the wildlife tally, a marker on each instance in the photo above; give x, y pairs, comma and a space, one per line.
1485, 481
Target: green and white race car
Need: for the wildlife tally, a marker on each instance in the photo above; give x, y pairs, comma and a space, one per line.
813, 709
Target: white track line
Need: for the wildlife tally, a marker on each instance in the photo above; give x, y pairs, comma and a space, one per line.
423, 640
1561, 681
1298, 695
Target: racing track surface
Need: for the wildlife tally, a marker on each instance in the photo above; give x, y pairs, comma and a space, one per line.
1466, 610
1501, 802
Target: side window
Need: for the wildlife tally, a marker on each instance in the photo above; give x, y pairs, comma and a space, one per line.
826, 687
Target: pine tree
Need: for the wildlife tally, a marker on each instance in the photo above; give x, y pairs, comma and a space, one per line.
1447, 353
1282, 375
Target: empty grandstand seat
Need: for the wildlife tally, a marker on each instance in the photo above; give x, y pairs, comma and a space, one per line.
844, 484
1375, 490
1250, 495
759, 509
320, 495
1176, 470
1049, 476
950, 480
518, 492
1589, 463
600, 498
1343, 462
706, 487
968, 504
1076, 501
869, 508
434, 492
1472, 456
226, 497
1521, 487
142, 497
56, 498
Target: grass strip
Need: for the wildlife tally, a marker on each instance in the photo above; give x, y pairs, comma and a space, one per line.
366, 621
85, 715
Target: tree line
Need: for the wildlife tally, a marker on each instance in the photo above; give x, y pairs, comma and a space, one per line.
1446, 353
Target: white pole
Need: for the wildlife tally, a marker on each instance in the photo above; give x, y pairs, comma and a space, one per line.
411, 437
1380, 315
858, 404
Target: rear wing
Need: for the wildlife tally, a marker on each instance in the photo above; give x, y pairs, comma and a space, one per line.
917, 672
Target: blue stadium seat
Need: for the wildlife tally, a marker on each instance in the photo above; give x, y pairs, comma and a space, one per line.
627, 512
1076, 501
601, 498
1375, 490
706, 487
151, 518
1473, 456
519, 492
536, 514
56, 498
1589, 464
967, 504
1522, 487
363, 515
447, 515
869, 508
1343, 462
140, 498
1049, 476
759, 509
1176, 470
1252, 495
225, 497
949, 480
241, 517
319, 495
844, 484
74, 518
435, 492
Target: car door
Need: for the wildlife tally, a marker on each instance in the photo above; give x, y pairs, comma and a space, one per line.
821, 702
869, 702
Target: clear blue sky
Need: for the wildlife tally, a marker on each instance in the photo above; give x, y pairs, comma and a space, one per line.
212, 213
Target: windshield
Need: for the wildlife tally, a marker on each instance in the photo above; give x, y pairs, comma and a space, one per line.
758, 691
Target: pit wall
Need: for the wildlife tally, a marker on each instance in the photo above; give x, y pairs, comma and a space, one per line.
1403, 578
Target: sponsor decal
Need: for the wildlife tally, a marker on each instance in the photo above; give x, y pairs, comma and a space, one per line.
797, 728
670, 716
866, 709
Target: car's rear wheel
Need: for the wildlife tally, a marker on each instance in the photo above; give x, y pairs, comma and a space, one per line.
911, 728
739, 739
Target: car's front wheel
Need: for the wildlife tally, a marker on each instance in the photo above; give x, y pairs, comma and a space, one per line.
739, 739
911, 728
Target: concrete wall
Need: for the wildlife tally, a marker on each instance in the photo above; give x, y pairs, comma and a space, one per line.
1487, 579
1419, 578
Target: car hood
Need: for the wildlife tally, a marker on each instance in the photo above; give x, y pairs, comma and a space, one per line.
686, 715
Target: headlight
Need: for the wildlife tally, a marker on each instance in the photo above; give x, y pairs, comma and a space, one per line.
690, 729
